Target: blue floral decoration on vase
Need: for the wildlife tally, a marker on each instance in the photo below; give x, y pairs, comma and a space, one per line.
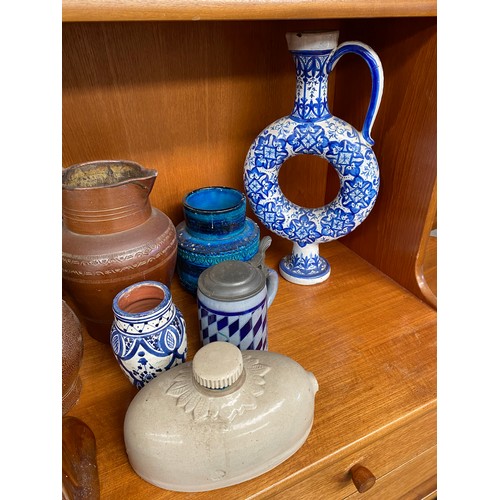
311, 129
148, 334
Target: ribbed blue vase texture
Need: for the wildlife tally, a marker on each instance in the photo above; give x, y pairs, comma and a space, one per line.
215, 228
312, 130
148, 334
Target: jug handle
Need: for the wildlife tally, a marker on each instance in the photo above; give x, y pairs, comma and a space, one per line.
377, 74
258, 260
272, 285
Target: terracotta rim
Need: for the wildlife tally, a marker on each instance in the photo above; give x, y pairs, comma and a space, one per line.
142, 299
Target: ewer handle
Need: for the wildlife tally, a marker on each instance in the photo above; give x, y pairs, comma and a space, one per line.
377, 74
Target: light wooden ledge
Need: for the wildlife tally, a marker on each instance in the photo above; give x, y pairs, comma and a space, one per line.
372, 347
196, 10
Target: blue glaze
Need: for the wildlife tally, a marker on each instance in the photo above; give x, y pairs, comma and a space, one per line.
312, 130
147, 342
213, 212
302, 267
377, 80
214, 199
215, 228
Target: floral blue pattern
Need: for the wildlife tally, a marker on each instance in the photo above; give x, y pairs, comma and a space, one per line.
311, 129
302, 266
337, 223
270, 216
303, 230
358, 194
270, 151
353, 160
312, 79
308, 139
146, 343
346, 155
259, 184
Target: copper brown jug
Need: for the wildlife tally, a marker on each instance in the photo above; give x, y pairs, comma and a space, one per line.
111, 237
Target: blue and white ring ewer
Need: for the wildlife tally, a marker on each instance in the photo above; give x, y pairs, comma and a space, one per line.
311, 129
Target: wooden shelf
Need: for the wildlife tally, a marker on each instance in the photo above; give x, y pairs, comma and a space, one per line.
188, 98
194, 10
372, 347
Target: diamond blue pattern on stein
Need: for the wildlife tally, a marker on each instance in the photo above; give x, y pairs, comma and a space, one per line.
247, 330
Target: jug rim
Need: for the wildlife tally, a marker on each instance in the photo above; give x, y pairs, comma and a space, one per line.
126, 303
139, 173
313, 40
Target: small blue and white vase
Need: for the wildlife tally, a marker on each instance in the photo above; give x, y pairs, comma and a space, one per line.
148, 334
215, 229
311, 129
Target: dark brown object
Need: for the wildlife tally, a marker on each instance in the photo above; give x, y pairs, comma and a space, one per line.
111, 237
362, 478
72, 353
80, 478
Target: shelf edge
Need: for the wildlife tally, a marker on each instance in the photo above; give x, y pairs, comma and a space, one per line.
220, 10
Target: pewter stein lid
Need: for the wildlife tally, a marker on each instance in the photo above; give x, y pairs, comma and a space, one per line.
231, 280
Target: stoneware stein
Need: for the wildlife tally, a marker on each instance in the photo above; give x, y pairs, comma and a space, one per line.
233, 298
148, 334
215, 228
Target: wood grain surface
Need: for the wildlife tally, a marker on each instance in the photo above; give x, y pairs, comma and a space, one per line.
188, 99
194, 10
372, 347
405, 134
394, 486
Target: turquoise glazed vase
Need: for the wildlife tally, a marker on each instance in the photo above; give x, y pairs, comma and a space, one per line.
215, 228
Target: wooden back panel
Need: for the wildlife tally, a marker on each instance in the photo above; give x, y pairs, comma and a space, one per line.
189, 98
405, 134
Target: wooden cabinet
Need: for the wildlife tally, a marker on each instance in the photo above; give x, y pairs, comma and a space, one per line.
384, 453
185, 88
